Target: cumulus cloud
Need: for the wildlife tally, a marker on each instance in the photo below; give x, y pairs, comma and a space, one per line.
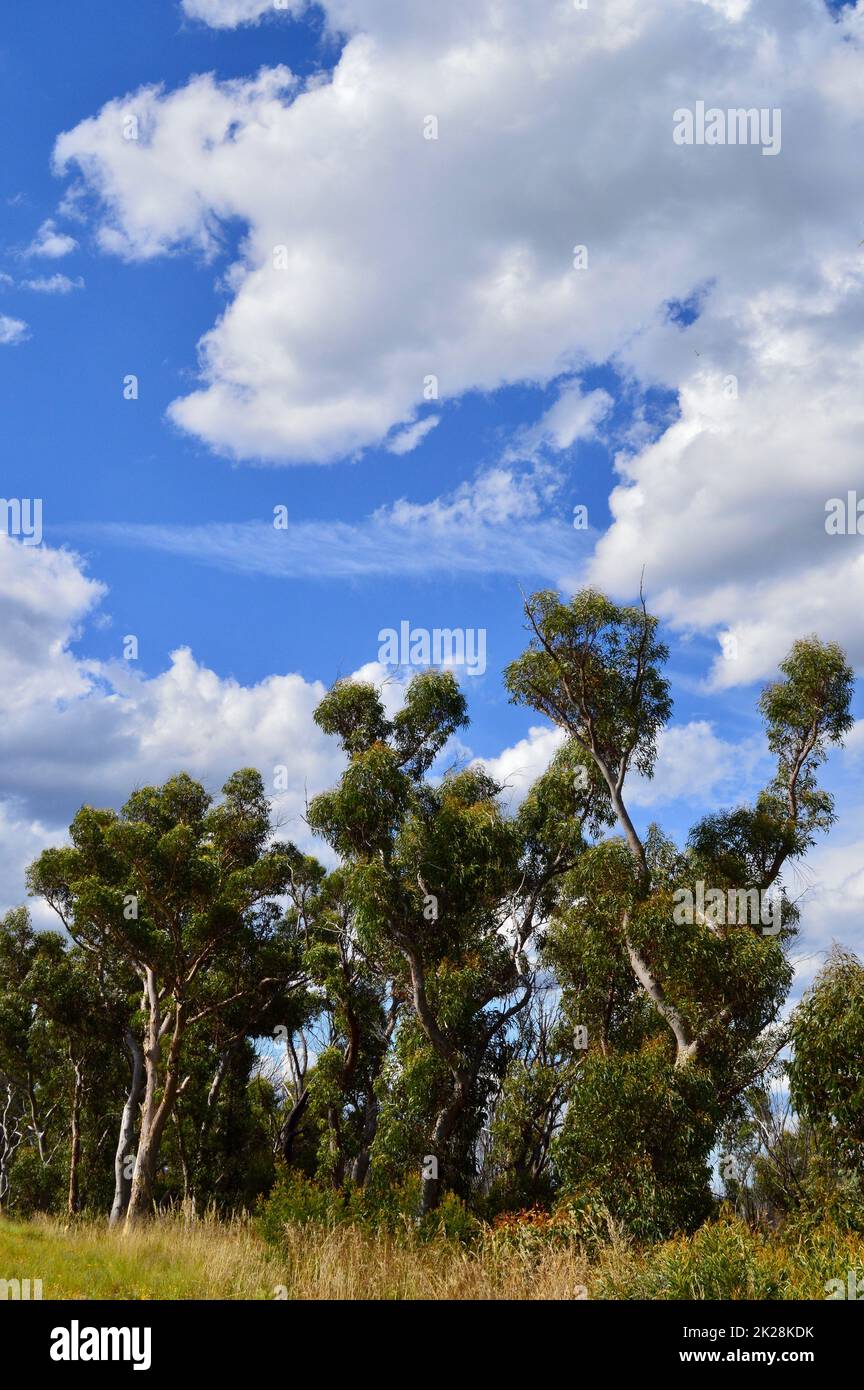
727, 509
517, 767
829, 891
75, 730
50, 243
45, 597
12, 331
230, 14
21, 839
549, 225
693, 765
375, 257
53, 284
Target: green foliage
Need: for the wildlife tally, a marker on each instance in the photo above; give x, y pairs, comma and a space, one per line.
826, 1073
727, 1260
515, 998
431, 870
297, 1201
593, 667
637, 1136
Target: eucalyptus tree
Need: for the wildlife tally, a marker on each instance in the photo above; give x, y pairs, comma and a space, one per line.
68, 997
664, 963
21, 1099
357, 1010
33, 1071
826, 1070
447, 893
527, 1111
182, 893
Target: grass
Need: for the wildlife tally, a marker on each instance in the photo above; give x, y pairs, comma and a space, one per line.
164, 1259
169, 1259
172, 1259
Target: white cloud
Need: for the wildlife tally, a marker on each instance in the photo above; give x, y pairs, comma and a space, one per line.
855, 739
695, 765
517, 767
53, 284
229, 14
573, 416
727, 771
12, 331
21, 839
727, 510
51, 243
829, 890
74, 730
407, 439
493, 525
729, 9
405, 257
44, 598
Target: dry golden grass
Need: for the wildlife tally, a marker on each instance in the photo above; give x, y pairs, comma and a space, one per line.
348, 1263
172, 1259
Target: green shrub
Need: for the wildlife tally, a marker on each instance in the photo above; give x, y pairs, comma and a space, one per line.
725, 1260
296, 1200
636, 1141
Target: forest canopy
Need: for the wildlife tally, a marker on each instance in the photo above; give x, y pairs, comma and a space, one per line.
502, 1011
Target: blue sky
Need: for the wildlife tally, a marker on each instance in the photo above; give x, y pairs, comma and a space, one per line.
558, 387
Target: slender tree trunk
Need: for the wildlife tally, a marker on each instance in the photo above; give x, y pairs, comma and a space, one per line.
155, 1112
184, 1161
10, 1138
75, 1153
334, 1121
288, 1132
38, 1129
360, 1166
126, 1141
431, 1188
207, 1123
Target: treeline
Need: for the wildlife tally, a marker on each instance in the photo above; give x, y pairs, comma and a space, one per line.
509, 1008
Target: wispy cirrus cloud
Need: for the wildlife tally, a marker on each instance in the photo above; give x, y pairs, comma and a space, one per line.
500, 523
376, 546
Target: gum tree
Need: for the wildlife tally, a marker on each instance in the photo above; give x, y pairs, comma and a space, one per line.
358, 1010
678, 1012
182, 894
447, 893
826, 1073
31, 1080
